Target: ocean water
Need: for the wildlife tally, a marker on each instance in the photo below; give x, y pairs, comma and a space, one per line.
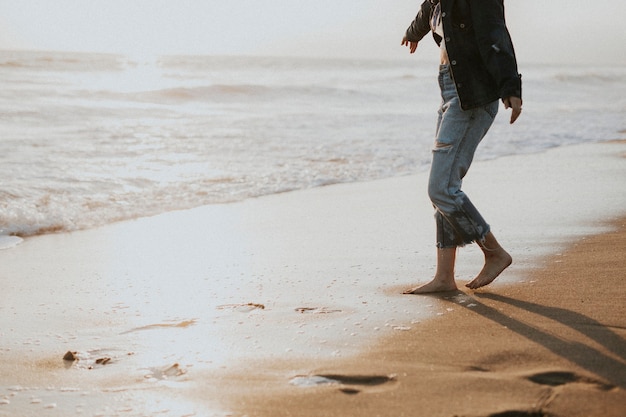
88, 139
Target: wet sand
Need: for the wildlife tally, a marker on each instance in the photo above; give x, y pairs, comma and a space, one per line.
291, 304
554, 345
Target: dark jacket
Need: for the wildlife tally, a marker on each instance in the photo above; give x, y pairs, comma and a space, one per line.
480, 50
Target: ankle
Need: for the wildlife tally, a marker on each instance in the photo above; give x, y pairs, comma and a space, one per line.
444, 278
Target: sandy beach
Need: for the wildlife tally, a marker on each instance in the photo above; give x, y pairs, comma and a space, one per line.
552, 346
291, 305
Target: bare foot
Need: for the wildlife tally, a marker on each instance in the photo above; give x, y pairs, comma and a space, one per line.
433, 286
495, 262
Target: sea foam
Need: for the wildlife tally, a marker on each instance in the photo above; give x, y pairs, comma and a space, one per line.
90, 139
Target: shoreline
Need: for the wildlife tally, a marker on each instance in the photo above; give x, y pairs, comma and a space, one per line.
10, 236
182, 303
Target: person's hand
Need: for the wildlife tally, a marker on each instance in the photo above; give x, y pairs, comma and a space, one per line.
515, 104
412, 45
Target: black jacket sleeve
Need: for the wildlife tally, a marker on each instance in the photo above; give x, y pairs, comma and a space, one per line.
421, 25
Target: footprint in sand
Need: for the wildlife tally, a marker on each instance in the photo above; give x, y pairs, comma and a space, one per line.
179, 324
557, 378
553, 379
348, 384
516, 413
165, 372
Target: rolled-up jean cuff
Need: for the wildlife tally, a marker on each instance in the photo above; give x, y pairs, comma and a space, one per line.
461, 227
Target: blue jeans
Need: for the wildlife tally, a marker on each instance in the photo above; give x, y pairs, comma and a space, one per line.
458, 134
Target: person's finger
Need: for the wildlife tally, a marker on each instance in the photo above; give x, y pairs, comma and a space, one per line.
515, 113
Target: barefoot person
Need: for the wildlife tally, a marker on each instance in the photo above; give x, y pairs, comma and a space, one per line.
478, 68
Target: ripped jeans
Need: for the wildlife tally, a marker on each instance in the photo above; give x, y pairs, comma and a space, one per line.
458, 134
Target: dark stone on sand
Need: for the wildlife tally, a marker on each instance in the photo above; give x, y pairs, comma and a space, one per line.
103, 361
70, 356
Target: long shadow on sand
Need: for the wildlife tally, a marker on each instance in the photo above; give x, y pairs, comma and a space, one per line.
611, 368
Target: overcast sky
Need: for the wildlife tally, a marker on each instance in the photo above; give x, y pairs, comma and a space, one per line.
559, 31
